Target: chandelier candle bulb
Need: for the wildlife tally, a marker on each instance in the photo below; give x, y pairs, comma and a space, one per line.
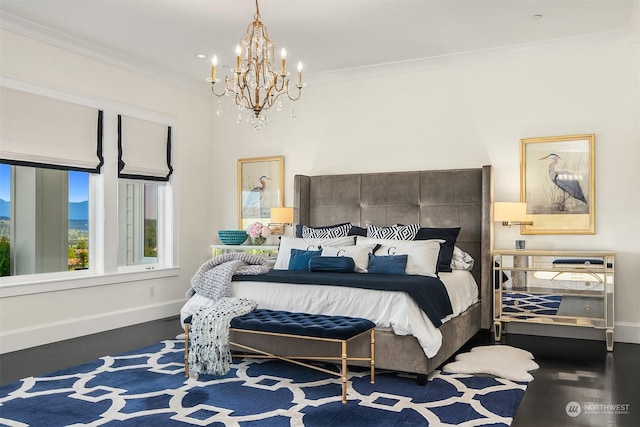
214, 62
283, 55
238, 58
299, 73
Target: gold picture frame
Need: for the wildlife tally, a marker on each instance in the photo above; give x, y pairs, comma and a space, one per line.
260, 188
557, 182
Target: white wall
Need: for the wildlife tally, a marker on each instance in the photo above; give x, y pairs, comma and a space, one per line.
111, 302
469, 116
455, 117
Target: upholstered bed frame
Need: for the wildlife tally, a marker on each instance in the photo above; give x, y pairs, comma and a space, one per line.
439, 198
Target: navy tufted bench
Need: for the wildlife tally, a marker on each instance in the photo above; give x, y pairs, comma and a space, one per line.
317, 327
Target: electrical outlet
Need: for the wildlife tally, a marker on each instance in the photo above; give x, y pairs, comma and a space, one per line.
152, 290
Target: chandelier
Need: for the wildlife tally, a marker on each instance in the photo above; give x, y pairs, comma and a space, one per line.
255, 84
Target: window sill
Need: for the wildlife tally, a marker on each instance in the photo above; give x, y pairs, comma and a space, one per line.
68, 283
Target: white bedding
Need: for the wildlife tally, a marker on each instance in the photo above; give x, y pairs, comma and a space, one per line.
387, 309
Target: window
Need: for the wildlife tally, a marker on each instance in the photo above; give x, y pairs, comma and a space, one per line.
137, 222
144, 170
5, 219
78, 251
84, 190
52, 234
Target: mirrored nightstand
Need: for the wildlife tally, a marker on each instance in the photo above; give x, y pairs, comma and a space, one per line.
574, 288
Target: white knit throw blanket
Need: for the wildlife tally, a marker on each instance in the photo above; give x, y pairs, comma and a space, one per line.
213, 278
209, 350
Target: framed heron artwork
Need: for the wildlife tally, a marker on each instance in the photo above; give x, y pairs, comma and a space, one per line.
557, 183
260, 188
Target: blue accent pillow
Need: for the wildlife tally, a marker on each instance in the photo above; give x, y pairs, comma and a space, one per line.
300, 259
338, 264
392, 264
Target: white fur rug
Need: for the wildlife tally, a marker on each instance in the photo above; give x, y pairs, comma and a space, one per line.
500, 360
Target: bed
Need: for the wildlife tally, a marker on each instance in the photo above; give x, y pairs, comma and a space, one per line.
406, 340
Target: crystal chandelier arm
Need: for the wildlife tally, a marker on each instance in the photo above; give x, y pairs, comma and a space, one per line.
224, 92
270, 96
299, 93
243, 94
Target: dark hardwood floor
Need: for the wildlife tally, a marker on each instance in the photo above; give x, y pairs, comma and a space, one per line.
64, 354
576, 373
604, 386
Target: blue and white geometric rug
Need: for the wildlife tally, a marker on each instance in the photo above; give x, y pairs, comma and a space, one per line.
147, 387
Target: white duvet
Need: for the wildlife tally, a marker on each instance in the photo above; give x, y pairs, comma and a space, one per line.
387, 309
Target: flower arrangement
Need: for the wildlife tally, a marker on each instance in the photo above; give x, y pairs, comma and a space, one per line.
258, 233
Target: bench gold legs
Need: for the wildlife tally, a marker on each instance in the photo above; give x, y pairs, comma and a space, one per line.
260, 354
186, 350
344, 372
373, 356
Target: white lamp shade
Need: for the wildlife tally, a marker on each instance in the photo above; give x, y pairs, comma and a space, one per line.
510, 211
282, 215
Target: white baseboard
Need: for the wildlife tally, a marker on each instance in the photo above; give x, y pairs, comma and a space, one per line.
19, 339
626, 332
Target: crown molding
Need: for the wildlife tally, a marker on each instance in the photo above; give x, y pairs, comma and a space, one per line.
47, 35
56, 38
475, 57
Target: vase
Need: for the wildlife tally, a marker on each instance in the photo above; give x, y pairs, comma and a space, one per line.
258, 241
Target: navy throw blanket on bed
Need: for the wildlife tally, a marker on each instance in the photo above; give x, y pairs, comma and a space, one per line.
428, 292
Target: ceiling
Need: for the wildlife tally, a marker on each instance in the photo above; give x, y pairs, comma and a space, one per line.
333, 38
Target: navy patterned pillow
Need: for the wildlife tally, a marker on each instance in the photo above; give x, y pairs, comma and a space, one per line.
396, 232
299, 227
325, 232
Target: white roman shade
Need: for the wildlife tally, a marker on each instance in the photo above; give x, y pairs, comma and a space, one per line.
40, 131
144, 149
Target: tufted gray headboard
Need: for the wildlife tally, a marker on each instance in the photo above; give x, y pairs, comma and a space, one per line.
438, 198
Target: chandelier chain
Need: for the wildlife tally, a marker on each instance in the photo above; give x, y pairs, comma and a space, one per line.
257, 15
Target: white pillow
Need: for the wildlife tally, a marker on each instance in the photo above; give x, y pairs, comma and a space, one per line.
422, 254
359, 253
288, 243
461, 260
